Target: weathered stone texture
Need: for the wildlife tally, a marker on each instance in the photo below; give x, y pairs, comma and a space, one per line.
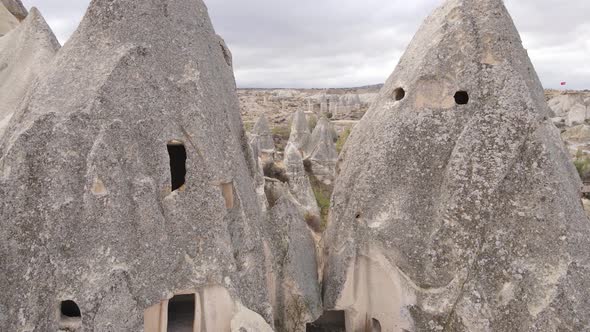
467, 216
85, 179
24, 53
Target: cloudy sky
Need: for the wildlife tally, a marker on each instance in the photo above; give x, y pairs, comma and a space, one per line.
346, 43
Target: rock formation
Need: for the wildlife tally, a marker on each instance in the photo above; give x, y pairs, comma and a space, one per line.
126, 183
456, 207
24, 53
300, 133
262, 143
261, 136
299, 182
16, 8
297, 296
7, 20
571, 108
322, 152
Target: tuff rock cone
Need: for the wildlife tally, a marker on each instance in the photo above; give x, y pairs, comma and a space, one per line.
25, 52
299, 184
126, 182
456, 206
297, 291
322, 152
262, 136
300, 133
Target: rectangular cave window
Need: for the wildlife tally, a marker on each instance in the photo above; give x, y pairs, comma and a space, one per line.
181, 313
177, 153
329, 321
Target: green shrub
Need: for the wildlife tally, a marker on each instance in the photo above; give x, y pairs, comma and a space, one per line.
322, 195
248, 126
582, 164
280, 135
342, 139
312, 121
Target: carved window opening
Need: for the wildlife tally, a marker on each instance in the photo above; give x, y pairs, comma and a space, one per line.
177, 154
329, 321
375, 325
70, 309
181, 313
399, 94
461, 97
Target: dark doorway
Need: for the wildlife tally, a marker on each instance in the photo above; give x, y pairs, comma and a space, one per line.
330, 321
461, 97
70, 309
399, 94
375, 325
177, 153
181, 313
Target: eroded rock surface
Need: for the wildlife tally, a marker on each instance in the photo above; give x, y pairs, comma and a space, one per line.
299, 184
297, 292
16, 8
7, 20
322, 152
126, 179
24, 53
456, 207
300, 134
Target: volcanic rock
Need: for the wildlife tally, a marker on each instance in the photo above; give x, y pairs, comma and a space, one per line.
24, 53
126, 182
456, 207
300, 133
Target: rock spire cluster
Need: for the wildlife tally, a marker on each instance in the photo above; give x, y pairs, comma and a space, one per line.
132, 199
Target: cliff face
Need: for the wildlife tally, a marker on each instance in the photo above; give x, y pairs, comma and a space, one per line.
455, 194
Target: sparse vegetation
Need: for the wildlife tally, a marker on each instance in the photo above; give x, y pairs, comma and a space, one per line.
312, 121
582, 164
313, 221
275, 171
342, 139
280, 135
322, 195
248, 126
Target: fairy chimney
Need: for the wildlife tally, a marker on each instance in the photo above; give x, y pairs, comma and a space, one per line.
456, 207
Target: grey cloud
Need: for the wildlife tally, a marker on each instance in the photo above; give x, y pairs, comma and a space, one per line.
339, 43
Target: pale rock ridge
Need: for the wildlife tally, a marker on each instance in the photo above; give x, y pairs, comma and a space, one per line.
7, 20
16, 8
261, 135
297, 295
300, 133
455, 195
24, 53
299, 184
322, 153
87, 170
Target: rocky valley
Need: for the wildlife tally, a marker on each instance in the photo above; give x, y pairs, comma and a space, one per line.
140, 190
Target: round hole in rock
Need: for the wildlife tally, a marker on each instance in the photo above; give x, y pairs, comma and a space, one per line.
399, 94
461, 97
69, 308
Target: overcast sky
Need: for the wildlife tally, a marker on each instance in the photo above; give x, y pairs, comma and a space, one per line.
347, 43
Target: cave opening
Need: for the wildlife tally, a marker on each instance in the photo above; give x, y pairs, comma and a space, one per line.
375, 325
177, 154
399, 94
461, 97
70, 309
329, 321
181, 313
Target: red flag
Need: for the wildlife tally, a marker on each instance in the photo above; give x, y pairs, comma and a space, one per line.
563, 83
